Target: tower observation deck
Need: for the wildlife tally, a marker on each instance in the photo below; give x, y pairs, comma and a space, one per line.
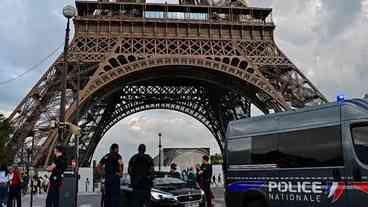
177, 21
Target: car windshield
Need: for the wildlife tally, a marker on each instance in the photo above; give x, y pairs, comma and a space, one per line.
167, 181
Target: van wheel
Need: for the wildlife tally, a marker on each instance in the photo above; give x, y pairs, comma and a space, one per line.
257, 203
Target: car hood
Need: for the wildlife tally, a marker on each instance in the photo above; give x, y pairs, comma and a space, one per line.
177, 191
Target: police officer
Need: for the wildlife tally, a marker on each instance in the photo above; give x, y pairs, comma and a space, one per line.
113, 169
173, 173
206, 174
141, 172
57, 169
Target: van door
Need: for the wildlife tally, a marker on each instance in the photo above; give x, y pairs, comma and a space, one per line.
311, 165
358, 142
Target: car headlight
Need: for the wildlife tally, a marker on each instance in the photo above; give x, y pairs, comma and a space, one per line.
202, 192
162, 196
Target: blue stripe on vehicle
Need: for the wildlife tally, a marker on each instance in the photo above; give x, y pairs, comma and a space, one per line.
245, 186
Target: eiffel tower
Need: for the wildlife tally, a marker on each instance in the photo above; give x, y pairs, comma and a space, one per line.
211, 62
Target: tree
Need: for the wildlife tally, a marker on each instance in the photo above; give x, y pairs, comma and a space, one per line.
216, 159
4, 137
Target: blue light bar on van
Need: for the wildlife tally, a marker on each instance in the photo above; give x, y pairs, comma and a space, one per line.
340, 98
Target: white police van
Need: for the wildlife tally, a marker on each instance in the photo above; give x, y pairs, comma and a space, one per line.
312, 157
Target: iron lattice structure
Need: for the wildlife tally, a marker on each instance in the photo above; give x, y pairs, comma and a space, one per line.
212, 63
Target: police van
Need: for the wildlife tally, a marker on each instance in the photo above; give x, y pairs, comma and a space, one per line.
317, 156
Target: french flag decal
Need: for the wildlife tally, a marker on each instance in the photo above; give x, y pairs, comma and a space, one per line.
336, 191
361, 186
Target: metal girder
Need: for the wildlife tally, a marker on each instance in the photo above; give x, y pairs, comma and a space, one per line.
193, 100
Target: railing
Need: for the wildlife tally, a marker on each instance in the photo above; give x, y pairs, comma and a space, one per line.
170, 12
181, 17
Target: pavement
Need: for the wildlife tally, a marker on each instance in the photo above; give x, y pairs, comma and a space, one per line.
93, 199
219, 197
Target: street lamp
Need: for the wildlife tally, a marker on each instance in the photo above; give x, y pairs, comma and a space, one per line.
68, 12
159, 152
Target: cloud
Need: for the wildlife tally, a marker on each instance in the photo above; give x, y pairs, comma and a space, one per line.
178, 130
326, 39
30, 31
339, 16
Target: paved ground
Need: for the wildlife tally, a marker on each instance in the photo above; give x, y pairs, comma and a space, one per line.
219, 197
93, 199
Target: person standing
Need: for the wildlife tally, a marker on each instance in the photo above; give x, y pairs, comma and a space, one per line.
199, 176
15, 193
112, 164
45, 183
87, 184
4, 179
39, 184
214, 180
141, 171
219, 179
184, 174
173, 173
191, 177
25, 184
57, 169
34, 184
206, 174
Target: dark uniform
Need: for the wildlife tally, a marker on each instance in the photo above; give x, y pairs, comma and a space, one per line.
206, 176
174, 174
112, 179
141, 171
56, 181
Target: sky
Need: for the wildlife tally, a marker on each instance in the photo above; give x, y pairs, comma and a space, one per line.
326, 39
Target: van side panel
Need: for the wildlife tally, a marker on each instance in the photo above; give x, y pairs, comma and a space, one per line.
294, 168
243, 187
309, 157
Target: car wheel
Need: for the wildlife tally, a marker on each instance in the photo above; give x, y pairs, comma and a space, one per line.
257, 203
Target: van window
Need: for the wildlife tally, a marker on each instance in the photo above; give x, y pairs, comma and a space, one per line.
239, 151
264, 149
258, 150
317, 147
360, 138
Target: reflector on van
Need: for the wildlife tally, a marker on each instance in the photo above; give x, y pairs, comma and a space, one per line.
340, 98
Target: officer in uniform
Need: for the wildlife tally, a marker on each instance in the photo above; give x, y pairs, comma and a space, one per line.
57, 169
141, 172
206, 174
113, 167
173, 173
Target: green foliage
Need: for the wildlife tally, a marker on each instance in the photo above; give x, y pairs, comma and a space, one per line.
4, 136
216, 159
